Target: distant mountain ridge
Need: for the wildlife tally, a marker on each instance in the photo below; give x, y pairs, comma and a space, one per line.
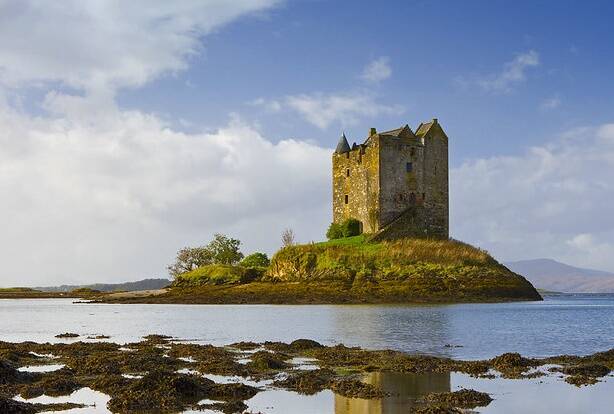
145, 284
551, 275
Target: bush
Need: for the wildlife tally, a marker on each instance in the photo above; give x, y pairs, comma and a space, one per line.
256, 260
334, 231
350, 227
218, 274
221, 250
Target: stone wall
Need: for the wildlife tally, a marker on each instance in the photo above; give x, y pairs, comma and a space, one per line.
436, 181
396, 177
400, 188
356, 175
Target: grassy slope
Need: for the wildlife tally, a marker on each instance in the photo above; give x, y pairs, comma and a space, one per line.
403, 270
354, 271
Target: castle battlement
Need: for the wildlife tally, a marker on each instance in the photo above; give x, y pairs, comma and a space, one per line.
395, 182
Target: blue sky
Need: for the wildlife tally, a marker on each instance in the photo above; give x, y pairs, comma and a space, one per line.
131, 129
437, 51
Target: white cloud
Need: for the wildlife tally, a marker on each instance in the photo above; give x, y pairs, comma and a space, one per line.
550, 103
553, 201
347, 109
113, 197
100, 45
377, 70
513, 73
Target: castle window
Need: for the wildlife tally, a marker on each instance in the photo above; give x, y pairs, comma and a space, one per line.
412, 198
347, 199
409, 167
412, 152
347, 172
423, 196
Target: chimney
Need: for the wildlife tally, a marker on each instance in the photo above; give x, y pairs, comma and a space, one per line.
372, 132
434, 120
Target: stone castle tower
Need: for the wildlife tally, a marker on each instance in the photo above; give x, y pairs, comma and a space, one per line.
395, 183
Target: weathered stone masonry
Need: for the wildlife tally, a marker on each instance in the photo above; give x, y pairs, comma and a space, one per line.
395, 183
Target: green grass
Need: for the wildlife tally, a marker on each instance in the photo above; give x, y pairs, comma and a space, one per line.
17, 290
421, 269
217, 274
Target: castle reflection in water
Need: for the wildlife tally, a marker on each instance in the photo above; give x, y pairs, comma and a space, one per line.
404, 390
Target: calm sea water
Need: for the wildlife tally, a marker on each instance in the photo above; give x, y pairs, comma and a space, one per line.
580, 324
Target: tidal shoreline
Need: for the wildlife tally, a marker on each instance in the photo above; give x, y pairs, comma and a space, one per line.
162, 373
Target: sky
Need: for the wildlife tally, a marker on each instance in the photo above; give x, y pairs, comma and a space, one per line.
129, 130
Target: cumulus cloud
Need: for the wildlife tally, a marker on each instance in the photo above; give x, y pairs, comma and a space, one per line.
97, 45
322, 110
377, 70
92, 192
552, 201
513, 73
113, 197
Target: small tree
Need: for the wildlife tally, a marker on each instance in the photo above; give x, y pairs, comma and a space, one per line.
225, 250
334, 231
190, 258
287, 237
256, 260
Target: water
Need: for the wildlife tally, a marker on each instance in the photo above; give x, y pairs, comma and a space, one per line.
580, 324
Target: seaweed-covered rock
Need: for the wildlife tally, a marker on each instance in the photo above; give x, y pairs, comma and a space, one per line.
52, 384
353, 388
304, 344
160, 390
590, 370
67, 335
513, 365
266, 361
307, 382
9, 406
460, 399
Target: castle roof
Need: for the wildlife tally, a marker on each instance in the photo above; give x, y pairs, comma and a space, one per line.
424, 127
394, 132
343, 145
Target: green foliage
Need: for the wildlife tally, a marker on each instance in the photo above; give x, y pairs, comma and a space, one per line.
256, 260
218, 274
221, 250
348, 228
190, 258
334, 231
225, 250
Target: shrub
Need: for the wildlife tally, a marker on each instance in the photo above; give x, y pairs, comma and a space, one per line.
350, 227
256, 260
221, 250
334, 231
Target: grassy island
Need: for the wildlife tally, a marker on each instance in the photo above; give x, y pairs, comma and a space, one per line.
354, 270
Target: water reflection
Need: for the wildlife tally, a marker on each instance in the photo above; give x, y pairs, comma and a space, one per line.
423, 329
404, 390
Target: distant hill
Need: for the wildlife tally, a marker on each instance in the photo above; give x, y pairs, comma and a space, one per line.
146, 284
551, 275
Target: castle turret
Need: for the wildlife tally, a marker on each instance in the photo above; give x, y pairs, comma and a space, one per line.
343, 145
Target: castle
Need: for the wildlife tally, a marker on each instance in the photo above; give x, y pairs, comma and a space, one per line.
395, 183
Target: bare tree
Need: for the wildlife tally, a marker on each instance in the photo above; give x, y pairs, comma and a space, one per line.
287, 237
